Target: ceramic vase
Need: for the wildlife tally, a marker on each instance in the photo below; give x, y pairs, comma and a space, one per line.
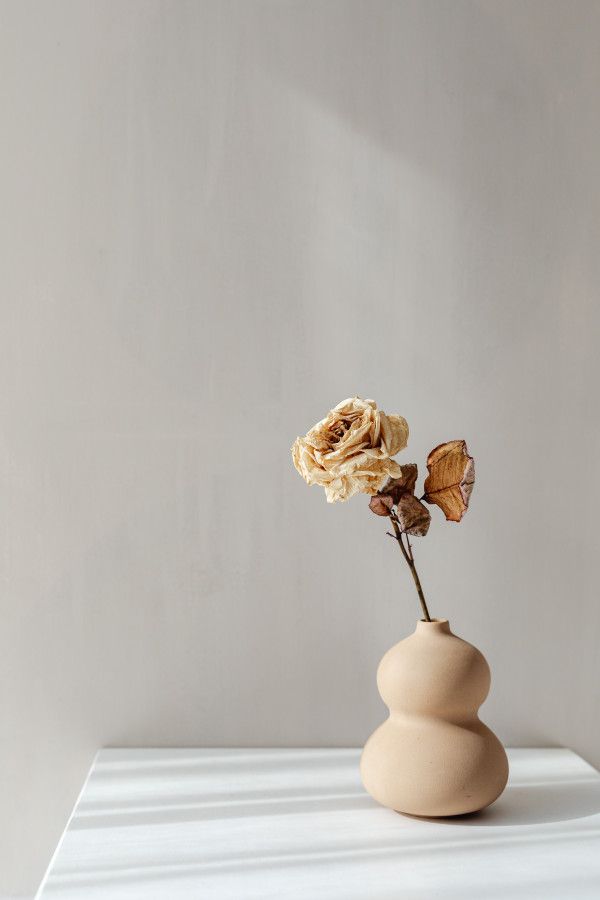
433, 756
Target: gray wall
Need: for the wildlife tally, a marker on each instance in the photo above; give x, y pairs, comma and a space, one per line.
218, 220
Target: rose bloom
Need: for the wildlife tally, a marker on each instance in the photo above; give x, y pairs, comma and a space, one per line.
349, 451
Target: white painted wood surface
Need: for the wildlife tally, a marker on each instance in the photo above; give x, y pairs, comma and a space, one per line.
284, 823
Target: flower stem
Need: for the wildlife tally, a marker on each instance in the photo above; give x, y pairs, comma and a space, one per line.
408, 556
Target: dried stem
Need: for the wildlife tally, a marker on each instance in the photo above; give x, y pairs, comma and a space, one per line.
408, 556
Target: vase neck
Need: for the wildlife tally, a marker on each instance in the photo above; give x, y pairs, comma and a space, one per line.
436, 626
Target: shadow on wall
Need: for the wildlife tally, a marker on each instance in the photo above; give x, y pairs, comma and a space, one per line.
442, 87
464, 105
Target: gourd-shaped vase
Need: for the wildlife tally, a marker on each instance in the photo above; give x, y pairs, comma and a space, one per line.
433, 756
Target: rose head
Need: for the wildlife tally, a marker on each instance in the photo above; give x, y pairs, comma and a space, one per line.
350, 450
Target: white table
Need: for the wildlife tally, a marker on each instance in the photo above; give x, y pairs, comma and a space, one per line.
261, 824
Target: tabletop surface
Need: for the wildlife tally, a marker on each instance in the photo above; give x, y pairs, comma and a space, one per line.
272, 823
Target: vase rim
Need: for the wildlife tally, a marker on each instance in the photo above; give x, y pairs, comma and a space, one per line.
433, 625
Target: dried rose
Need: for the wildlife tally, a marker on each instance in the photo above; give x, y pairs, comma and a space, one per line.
350, 450
450, 480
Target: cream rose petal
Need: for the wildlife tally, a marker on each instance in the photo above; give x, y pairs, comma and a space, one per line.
399, 436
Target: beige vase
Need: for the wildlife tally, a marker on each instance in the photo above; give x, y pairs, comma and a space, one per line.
433, 756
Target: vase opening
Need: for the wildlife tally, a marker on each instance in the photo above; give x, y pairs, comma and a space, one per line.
435, 625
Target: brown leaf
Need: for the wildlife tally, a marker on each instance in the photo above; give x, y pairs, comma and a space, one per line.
450, 480
381, 504
396, 487
413, 516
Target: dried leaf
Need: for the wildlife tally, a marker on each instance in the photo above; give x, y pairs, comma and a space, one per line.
413, 516
396, 487
381, 504
450, 480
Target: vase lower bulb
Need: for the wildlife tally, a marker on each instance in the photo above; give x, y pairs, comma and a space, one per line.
433, 756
